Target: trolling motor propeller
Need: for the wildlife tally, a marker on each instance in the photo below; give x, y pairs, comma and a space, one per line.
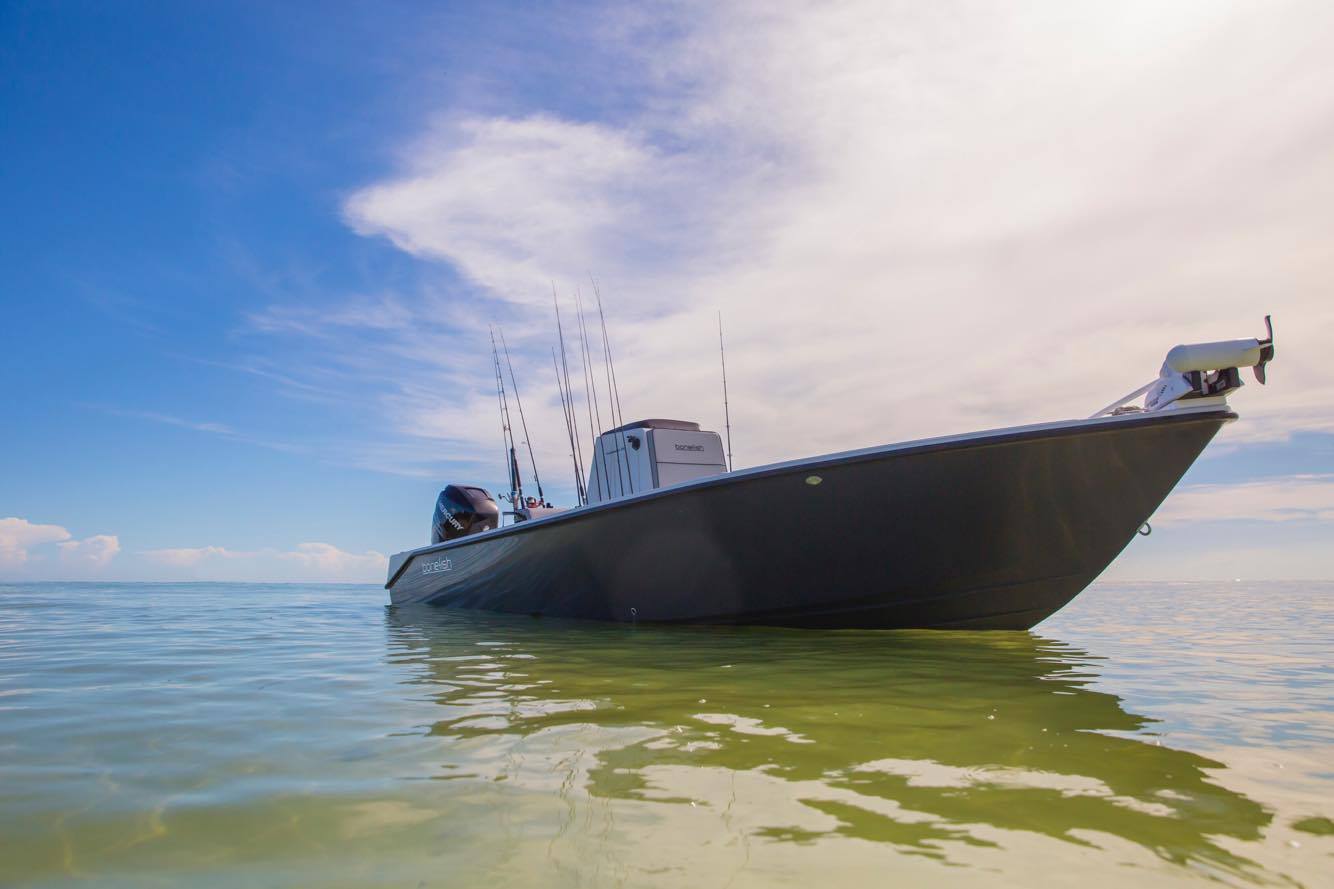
1204, 357
1266, 352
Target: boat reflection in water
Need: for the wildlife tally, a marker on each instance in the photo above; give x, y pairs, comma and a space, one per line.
966, 748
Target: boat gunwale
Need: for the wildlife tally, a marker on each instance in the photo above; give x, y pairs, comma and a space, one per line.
984, 438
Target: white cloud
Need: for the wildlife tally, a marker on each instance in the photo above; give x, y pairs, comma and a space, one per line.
1295, 498
326, 560
21, 542
18, 536
189, 556
916, 219
91, 552
307, 562
566, 186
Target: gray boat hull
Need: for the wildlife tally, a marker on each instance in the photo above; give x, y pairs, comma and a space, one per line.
990, 531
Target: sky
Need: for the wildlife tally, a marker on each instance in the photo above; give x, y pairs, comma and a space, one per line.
250, 253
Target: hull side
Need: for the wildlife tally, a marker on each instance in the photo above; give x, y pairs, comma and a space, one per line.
995, 532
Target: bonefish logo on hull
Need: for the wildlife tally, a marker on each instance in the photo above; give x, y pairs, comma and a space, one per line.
437, 566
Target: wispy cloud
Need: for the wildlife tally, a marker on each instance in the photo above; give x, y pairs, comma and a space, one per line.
375, 313
208, 427
169, 420
1294, 498
916, 220
514, 203
423, 444
287, 384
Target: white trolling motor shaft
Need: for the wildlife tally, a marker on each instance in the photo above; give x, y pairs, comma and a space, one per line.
1212, 356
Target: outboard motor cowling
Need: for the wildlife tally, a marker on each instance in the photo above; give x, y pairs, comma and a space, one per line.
462, 510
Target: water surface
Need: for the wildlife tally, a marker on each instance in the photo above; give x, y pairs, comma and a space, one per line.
289, 736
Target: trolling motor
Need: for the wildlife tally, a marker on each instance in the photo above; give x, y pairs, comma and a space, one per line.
1200, 370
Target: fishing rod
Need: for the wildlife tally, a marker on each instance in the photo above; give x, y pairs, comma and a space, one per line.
507, 434
591, 393
583, 359
614, 392
727, 416
527, 440
574, 417
606, 342
578, 480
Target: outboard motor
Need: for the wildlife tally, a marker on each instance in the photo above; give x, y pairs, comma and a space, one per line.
462, 510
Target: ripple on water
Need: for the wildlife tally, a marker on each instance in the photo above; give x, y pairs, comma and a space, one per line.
290, 736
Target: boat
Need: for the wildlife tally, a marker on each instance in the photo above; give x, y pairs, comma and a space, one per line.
995, 529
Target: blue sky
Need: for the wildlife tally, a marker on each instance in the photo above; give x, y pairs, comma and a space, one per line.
250, 252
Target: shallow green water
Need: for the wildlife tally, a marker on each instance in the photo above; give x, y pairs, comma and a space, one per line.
244, 735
